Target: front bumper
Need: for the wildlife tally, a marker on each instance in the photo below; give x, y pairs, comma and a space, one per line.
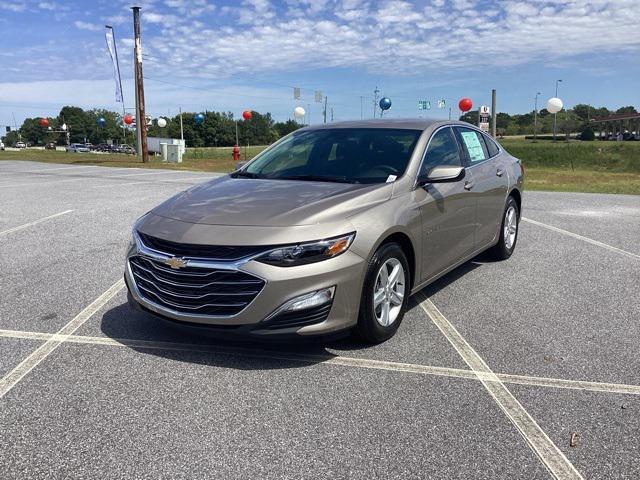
345, 272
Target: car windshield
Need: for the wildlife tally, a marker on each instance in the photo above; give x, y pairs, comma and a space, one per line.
350, 155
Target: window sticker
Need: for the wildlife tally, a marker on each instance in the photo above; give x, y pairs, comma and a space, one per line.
391, 178
474, 148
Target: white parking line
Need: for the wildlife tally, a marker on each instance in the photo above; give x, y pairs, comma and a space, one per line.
52, 169
334, 360
184, 181
115, 177
35, 222
580, 237
140, 182
13, 185
12, 378
550, 455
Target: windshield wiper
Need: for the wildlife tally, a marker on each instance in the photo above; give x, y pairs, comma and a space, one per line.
316, 178
241, 173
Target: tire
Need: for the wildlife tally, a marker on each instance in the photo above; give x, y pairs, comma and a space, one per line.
371, 326
507, 241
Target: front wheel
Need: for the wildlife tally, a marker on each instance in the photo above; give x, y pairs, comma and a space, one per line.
508, 231
384, 295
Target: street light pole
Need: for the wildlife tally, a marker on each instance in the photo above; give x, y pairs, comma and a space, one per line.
535, 119
555, 115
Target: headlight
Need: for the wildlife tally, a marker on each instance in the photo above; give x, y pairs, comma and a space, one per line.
303, 253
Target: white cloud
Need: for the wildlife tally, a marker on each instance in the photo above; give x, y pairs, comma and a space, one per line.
13, 6
87, 26
402, 37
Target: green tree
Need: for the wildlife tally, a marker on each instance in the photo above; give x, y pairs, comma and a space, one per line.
627, 109
11, 138
285, 128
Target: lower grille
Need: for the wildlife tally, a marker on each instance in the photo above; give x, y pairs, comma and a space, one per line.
299, 318
193, 290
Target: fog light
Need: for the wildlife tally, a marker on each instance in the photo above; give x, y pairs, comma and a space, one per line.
306, 301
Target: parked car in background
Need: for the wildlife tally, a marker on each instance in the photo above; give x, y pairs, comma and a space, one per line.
50, 146
124, 148
332, 228
77, 148
102, 147
20, 145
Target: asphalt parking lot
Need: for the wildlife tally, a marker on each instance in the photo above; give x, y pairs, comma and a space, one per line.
527, 368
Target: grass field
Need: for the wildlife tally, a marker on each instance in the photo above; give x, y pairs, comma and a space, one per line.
598, 167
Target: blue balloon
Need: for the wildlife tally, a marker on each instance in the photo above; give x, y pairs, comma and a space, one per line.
101, 122
199, 118
385, 103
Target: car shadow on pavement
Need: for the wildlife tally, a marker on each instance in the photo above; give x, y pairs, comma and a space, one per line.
147, 334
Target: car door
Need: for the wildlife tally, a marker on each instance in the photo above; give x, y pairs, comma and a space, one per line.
447, 210
490, 183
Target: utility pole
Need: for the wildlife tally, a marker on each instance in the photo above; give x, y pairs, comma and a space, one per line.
324, 112
535, 119
361, 112
555, 115
375, 100
141, 121
332, 114
494, 114
308, 114
449, 113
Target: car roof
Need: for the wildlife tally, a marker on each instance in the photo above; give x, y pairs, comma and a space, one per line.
400, 123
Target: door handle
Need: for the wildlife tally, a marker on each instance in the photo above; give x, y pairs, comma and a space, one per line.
468, 185
499, 172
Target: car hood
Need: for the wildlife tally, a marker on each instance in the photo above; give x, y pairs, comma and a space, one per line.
273, 203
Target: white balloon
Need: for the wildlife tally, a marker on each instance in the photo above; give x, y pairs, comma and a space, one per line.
299, 112
64, 126
554, 105
162, 122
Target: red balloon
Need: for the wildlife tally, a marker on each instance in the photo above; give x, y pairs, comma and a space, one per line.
465, 104
247, 114
44, 122
128, 119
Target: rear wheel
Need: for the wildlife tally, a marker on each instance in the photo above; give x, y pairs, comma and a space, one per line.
508, 231
384, 295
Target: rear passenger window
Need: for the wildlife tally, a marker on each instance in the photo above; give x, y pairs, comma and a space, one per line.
491, 146
442, 150
473, 144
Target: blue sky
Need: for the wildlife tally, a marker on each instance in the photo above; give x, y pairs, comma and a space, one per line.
222, 55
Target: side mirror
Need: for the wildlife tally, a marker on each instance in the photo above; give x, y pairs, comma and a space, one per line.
442, 174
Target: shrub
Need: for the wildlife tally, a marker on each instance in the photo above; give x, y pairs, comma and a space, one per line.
588, 135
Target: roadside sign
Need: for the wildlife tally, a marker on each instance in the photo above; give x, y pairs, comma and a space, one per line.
484, 126
424, 105
484, 110
441, 103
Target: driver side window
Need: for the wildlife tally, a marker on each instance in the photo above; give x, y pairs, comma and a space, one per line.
442, 150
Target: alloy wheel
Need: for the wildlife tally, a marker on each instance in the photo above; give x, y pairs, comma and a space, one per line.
388, 292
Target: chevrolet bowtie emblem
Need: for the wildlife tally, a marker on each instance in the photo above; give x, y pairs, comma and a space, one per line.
176, 262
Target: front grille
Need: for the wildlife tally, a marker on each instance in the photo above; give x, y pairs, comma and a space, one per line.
299, 318
210, 252
193, 290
